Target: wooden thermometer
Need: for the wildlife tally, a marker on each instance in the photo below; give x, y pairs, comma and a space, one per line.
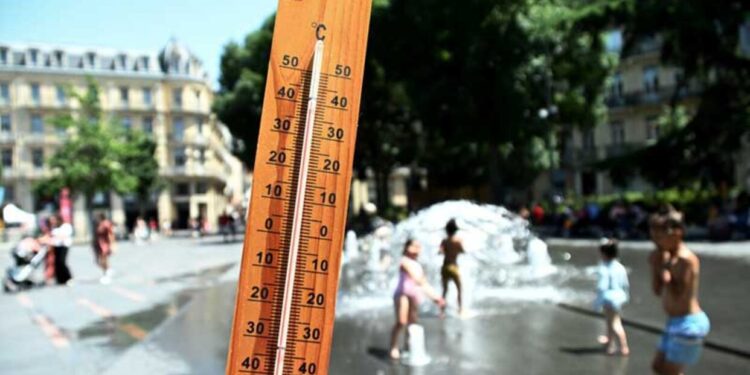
284, 313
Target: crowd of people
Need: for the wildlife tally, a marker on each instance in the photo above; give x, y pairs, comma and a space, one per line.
718, 219
674, 274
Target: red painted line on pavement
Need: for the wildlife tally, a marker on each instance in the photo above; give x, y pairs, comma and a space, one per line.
96, 309
53, 333
25, 301
129, 294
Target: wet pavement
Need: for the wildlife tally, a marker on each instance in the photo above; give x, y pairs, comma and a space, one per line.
169, 312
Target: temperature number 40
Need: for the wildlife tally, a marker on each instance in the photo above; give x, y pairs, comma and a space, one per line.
251, 363
340, 101
308, 368
286, 92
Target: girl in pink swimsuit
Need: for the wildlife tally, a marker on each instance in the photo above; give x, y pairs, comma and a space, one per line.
412, 283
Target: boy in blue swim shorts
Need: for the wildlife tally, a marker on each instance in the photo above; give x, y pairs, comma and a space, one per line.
675, 275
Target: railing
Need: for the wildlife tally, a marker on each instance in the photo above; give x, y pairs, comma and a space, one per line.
660, 95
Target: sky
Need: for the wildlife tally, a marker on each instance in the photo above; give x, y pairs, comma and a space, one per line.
141, 25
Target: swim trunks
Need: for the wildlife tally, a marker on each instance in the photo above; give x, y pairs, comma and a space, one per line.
450, 272
682, 341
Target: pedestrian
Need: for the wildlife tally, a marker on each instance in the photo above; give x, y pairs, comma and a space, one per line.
60, 239
675, 275
612, 292
140, 233
104, 243
451, 247
412, 283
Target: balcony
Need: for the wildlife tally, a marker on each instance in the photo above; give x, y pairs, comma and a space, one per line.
586, 155
621, 149
661, 95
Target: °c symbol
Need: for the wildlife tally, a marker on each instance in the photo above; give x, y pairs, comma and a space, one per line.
320, 30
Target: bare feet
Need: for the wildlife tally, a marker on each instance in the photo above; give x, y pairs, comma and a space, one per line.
610, 349
602, 339
624, 352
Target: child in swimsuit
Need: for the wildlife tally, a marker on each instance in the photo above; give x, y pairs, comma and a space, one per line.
412, 283
451, 248
612, 291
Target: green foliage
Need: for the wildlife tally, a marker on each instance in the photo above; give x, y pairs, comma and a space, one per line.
702, 38
457, 88
98, 155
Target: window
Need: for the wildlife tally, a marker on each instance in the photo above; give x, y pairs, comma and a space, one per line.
3, 56
652, 128
148, 125
60, 91
177, 98
4, 93
201, 188
651, 79
201, 157
147, 100
178, 129
613, 41
37, 126
37, 157
10, 193
182, 189
179, 157
124, 96
200, 125
36, 95
144, 63
92, 59
7, 158
5, 126
616, 88
618, 133
127, 124
587, 139
745, 38
33, 56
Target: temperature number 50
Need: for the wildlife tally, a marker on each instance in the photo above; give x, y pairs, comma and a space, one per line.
343, 70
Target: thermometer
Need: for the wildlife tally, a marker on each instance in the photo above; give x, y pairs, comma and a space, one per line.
284, 310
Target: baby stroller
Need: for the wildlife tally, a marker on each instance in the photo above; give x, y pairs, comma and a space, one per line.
28, 255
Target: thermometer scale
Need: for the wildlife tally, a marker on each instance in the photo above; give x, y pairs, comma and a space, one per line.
284, 311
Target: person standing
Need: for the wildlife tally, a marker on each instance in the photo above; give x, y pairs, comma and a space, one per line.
61, 238
104, 243
675, 275
451, 247
408, 295
612, 289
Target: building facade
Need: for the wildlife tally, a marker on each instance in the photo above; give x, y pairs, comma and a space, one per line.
638, 94
166, 95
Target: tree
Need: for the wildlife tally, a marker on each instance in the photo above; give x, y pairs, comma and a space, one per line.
138, 159
97, 156
701, 38
482, 75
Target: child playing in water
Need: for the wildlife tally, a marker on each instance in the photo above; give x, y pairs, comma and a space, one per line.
411, 284
451, 247
675, 274
612, 290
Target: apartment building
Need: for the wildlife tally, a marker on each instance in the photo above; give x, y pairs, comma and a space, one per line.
166, 94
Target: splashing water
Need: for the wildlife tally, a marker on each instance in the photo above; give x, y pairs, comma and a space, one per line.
503, 259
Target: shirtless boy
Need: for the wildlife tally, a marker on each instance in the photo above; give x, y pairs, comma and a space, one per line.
451, 247
675, 272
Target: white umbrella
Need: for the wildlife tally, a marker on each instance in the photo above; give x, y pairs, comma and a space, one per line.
14, 215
